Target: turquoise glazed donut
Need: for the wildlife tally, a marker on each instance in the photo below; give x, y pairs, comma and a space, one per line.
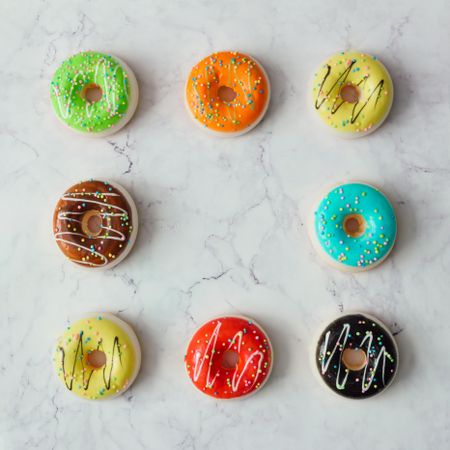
354, 227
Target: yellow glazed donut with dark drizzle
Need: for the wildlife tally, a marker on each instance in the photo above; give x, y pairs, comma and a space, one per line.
352, 93
228, 93
95, 223
98, 357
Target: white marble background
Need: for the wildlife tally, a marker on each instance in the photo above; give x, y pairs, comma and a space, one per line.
222, 224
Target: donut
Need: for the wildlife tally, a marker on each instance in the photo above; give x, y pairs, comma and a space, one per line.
229, 357
97, 357
228, 93
94, 93
95, 223
352, 93
356, 356
353, 227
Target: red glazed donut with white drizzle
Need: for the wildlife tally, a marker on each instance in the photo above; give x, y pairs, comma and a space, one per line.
229, 357
95, 223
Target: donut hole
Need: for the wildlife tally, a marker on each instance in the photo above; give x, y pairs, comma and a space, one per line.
354, 225
92, 93
230, 359
226, 94
96, 359
354, 358
350, 93
91, 223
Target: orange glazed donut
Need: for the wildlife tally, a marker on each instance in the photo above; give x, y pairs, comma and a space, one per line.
228, 93
229, 357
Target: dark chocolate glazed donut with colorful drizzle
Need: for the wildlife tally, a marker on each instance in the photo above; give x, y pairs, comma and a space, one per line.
357, 356
229, 357
95, 223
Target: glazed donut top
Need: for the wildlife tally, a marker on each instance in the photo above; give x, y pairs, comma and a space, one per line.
246, 83
83, 71
357, 332
101, 199
73, 351
371, 100
206, 365
357, 200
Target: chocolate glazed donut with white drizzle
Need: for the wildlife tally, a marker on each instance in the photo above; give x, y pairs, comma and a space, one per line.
95, 223
357, 356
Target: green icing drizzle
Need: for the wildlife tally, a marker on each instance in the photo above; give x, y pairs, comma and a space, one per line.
69, 83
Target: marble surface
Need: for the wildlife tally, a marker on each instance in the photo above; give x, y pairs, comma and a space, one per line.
222, 224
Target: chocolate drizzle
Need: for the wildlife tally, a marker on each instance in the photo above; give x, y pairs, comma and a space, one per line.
340, 80
343, 76
79, 357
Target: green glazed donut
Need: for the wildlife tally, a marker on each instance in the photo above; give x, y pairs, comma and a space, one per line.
94, 93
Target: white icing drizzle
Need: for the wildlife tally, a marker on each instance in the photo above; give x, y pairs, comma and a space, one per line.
382, 354
325, 363
366, 380
208, 356
117, 235
65, 109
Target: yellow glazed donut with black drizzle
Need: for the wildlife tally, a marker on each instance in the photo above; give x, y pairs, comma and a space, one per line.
95, 223
352, 93
98, 357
